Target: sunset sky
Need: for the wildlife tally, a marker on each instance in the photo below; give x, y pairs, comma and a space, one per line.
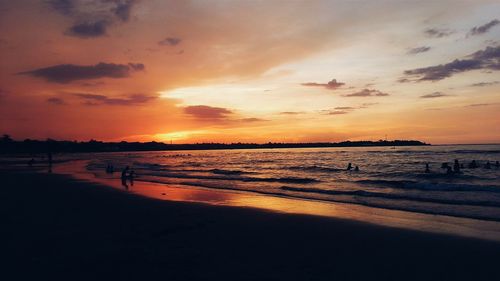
250, 71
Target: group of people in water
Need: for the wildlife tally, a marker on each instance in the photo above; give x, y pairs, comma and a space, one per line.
126, 175
458, 166
49, 162
350, 168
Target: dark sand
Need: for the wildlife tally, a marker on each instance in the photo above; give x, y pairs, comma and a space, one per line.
57, 228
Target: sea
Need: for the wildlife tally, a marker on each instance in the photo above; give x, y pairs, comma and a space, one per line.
388, 178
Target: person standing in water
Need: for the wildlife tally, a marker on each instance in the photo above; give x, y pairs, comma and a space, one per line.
349, 167
449, 171
427, 170
124, 177
125, 172
131, 177
456, 167
473, 164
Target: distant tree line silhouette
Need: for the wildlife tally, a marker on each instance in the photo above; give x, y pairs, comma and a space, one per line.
8, 145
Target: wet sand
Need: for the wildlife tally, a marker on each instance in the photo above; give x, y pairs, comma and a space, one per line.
56, 228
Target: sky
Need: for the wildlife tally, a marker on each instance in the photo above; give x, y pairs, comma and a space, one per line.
250, 71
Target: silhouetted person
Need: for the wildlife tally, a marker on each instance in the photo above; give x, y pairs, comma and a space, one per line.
349, 167
125, 176
427, 170
473, 164
449, 171
487, 165
31, 162
445, 165
497, 164
456, 167
124, 183
356, 169
131, 177
125, 173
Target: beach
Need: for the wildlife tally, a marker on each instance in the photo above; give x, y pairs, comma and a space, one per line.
59, 228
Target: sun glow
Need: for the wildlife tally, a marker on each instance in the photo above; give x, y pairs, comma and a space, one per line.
177, 136
255, 70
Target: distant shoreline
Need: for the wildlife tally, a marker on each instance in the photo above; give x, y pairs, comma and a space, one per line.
35, 146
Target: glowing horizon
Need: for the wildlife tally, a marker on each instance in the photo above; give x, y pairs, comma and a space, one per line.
248, 71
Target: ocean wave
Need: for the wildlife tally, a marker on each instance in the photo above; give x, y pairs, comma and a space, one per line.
149, 166
355, 200
226, 172
314, 168
296, 180
427, 186
393, 196
261, 161
472, 151
404, 151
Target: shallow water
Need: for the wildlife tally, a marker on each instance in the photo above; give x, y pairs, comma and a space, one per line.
389, 178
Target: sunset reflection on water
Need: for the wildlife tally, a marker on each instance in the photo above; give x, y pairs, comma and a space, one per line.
386, 217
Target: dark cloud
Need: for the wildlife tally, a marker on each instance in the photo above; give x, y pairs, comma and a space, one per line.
488, 58
480, 104
251, 120
437, 33
484, 84
337, 112
364, 105
136, 66
123, 9
65, 73
170, 41
483, 28
92, 17
95, 99
207, 112
332, 85
434, 95
89, 29
291, 112
56, 101
345, 108
442, 71
367, 93
418, 50
65, 7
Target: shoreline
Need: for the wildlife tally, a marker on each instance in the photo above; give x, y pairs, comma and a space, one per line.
389, 217
66, 228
